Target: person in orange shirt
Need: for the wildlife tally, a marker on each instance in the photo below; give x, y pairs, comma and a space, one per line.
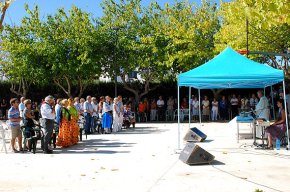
141, 111
147, 106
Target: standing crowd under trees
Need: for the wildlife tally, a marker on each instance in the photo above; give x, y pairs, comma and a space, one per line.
72, 49
105, 115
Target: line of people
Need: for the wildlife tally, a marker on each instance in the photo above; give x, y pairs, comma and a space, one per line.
226, 108
63, 115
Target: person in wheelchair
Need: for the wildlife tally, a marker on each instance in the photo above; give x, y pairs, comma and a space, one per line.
28, 123
277, 129
129, 117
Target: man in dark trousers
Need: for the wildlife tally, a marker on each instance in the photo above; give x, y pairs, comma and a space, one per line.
48, 116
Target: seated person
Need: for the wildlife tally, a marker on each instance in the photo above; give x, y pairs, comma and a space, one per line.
129, 118
277, 129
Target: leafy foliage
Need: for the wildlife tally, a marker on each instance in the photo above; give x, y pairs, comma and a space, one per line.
268, 25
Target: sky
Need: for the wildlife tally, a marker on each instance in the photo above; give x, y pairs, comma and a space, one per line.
16, 10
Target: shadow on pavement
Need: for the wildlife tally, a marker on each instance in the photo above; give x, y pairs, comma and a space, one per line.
213, 163
142, 130
94, 146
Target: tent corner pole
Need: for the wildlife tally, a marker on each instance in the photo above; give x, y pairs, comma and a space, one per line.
199, 108
273, 104
286, 114
189, 106
178, 118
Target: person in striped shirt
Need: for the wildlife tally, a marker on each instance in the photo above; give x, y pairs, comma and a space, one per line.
14, 119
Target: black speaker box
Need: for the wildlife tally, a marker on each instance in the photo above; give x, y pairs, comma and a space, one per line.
193, 154
194, 135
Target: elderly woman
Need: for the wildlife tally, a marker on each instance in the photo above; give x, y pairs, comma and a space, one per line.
64, 136
277, 129
28, 116
205, 108
74, 127
107, 115
129, 117
116, 115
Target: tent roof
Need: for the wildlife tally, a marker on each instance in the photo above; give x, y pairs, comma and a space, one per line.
229, 69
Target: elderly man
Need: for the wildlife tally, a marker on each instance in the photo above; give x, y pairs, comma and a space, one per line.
48, 116
21, 106
95, 106
262, 108
78, 105
88, 113
160, 108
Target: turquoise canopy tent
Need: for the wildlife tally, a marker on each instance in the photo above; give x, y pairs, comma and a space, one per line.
227, 70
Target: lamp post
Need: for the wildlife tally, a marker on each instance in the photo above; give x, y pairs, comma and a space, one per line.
116, 29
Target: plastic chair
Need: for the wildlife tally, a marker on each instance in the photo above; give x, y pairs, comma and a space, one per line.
5, 132
3, 139
185, 113
166, 115
181, 115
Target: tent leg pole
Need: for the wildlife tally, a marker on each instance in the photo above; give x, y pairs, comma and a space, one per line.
178, 118
199, 107
286, 114
273, 104
189, 107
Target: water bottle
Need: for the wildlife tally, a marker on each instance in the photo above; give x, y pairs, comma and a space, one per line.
278, 144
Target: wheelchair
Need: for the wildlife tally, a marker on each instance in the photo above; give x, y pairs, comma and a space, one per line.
31, 136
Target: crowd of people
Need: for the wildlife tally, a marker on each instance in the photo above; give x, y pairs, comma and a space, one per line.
106, 115
65, 115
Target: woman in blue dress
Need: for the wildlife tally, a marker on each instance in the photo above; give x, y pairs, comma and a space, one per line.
107, 115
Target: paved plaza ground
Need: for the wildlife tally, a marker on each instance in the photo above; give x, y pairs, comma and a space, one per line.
144, 160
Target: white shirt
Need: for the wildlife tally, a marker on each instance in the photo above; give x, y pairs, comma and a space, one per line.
88, 108
46, 111
194, 103
121, 107
95, 108
160, 103
106, 107
215, 105
78, 107
234, 101
21, 109
262, 108
253, 102
117, 108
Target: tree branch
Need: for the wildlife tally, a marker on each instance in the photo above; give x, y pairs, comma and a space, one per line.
4, 9
56, 81
126, 86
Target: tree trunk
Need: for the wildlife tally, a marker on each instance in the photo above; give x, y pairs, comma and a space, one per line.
216, 92
67, 90
286, 68
22, 89
82, 85
137, 93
